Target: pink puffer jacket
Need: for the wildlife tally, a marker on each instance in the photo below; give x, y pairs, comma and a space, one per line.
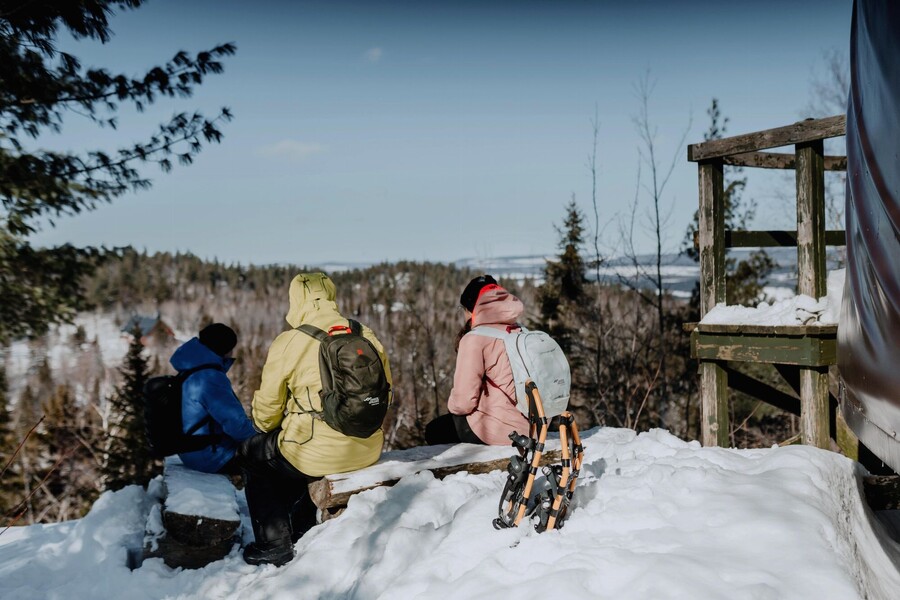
483, 387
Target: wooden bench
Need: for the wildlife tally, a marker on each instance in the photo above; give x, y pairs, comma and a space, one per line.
800, 353
197, 523
332, 492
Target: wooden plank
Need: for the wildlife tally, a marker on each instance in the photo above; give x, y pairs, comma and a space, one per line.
810, 219
845, 438
770, 239
882, 491
762, 391
326, 495
711, 235
779, 160
818, 330
791, 376
799, 132
713, 380
713, 404
802, 351
814, 409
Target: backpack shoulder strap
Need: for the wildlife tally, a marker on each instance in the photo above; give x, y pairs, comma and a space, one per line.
313, 331
355, 327
489, 332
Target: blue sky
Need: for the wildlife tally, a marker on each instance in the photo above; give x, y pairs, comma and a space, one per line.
368, 131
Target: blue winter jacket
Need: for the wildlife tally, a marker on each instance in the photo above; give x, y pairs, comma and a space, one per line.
208, 393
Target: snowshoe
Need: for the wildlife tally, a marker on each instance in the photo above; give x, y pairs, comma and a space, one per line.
548, 507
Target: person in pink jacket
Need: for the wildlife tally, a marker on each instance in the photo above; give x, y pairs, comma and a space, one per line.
482, 403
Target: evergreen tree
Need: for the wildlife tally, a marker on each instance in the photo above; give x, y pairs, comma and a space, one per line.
40, 88
744, 279
564, 278
127, 459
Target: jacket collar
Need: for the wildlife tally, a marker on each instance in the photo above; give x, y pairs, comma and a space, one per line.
192, 354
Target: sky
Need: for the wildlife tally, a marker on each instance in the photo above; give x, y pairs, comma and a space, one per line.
373, 131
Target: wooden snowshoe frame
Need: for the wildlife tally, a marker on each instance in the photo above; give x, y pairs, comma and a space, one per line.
550, 506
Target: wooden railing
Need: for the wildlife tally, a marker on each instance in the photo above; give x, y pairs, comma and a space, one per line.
810, 238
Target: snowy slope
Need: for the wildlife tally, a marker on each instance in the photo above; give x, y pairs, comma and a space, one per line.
65, 357
655, 517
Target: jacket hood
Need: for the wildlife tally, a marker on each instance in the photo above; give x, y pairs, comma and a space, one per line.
497, 306
193, 354
309, 292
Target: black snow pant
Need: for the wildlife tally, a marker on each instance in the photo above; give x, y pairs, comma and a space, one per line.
450, 429
280, 507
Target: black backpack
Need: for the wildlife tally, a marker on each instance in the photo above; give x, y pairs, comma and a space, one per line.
355, 390
162, 416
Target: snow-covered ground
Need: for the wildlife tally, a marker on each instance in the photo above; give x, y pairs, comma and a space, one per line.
654, 517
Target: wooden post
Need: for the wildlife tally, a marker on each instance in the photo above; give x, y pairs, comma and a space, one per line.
811, 219
811, 281
713, 379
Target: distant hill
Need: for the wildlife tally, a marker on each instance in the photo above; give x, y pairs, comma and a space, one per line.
680, 273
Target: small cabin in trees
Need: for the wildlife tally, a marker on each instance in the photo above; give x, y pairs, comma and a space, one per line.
152, 328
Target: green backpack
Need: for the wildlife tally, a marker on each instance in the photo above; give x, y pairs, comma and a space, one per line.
355, 391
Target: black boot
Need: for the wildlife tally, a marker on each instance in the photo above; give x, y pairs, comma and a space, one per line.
302, 517
277, 552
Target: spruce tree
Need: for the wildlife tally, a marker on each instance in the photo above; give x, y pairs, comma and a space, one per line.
127, 458
564, 278
41, 90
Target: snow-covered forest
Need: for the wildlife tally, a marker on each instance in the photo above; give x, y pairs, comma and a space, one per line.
72, 375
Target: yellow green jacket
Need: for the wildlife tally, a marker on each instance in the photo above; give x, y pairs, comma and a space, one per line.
290, 387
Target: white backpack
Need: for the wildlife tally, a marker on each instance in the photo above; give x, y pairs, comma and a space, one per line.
534, 355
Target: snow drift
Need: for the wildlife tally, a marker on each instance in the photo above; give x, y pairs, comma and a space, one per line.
654, 517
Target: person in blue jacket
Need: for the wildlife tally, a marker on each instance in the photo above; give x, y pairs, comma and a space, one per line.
207, 398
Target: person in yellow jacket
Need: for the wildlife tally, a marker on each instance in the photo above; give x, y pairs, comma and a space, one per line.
296, 444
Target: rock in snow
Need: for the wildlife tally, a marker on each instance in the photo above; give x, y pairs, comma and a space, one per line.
654, 517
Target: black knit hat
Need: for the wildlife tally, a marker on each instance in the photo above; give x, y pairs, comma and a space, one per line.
470, 295
219, 338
